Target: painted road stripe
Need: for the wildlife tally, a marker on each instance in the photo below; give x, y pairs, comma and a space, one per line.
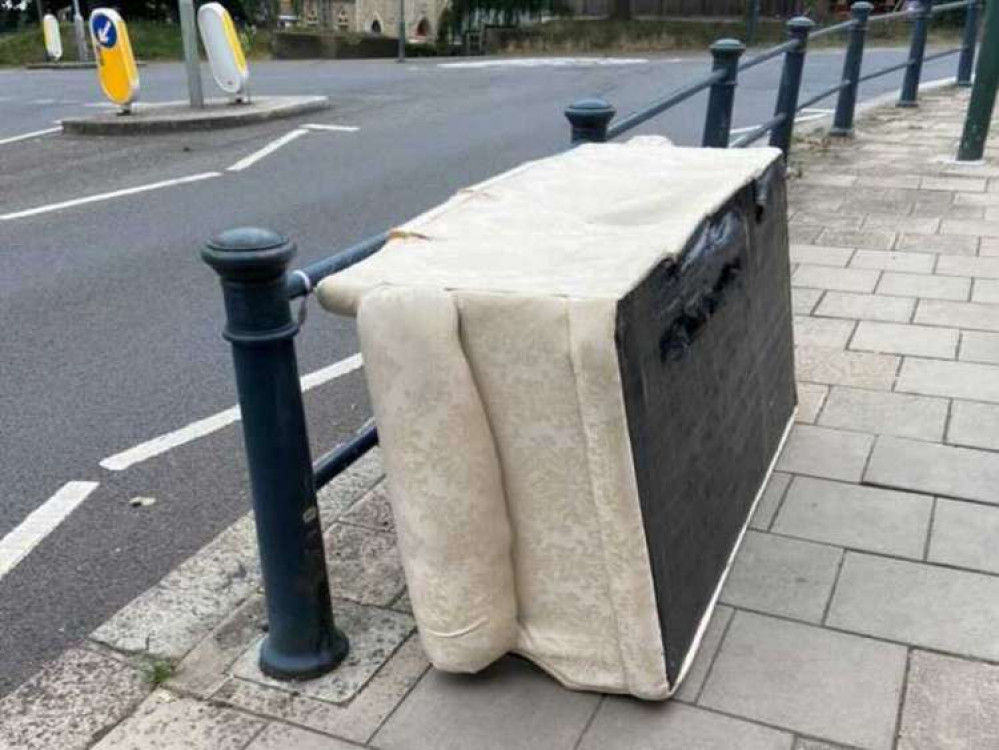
203, 427
108, 196
270, 148
337, 128
26, 136
40, 523
807, 115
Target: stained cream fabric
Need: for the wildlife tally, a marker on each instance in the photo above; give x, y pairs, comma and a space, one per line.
487, 329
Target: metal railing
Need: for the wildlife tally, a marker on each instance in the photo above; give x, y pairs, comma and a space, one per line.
258, 288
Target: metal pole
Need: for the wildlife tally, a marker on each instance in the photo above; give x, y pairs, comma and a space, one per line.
966, 62
917, 50
790, 84
402, 31
189, 36
721, 99
983, 94
589, 119
82, 52
302, 639
846, 105
752, 20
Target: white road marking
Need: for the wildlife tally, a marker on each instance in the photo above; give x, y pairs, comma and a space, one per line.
813, 114
203, 427
108, 196
550, 62
336, 128
43, 101
40, 523
270, 148
26, 136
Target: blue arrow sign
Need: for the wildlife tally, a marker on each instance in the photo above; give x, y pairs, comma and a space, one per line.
104, 30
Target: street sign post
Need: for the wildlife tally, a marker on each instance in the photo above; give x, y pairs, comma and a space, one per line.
53, 42
116, 67
225, 53
192, 63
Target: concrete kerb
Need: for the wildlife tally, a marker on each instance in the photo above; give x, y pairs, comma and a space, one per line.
173, 117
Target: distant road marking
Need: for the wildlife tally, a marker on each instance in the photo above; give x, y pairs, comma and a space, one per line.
270, 148
43, 101
26, 136
203, 427
550, 62
108, 196
812, 114
337, 128
40, 523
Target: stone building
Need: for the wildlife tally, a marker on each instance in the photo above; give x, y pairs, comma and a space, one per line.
370, 16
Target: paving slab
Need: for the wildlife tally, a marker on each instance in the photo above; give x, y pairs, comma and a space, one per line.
373, 511
623, 724
977, 346
979, 268
902, 338
691, 686
866, 307
837, 279
885, 413
172, 117
965, 380
510, 705
973, 228
821, 256
974, 425
919, 604
374, 633
803, 301
766, 509
824, 452
849, 515
950, 703
925, 286
69, 704
895, 223
285, 737
830, 332
864, 239
934, 469
811, 397
985, 291
964, 315
819, 364
893, 261
829, 685
169, 722
781, 576
364, 565
965, 535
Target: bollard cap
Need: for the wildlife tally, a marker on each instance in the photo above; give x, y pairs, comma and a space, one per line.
594, 107
249, 253
800, 24
727, 48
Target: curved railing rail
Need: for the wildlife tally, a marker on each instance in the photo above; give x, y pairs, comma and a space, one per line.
302, 640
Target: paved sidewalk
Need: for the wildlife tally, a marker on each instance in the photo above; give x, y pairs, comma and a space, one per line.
863, 609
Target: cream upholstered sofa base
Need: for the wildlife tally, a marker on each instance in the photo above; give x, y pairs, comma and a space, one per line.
498, 397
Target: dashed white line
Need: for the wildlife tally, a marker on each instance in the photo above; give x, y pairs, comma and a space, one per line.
40, 523
108, 196
26, 136
270, 148
336, 128
550, 62
203, 427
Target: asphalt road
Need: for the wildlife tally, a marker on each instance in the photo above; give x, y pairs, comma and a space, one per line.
109, 322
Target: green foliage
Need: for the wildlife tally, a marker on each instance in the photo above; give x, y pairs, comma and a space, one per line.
159, 672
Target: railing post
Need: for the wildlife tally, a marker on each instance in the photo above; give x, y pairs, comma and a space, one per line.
721, 99
966, 62
589, 119
302, 640
983, 93
846, 105
917, 51
798, 29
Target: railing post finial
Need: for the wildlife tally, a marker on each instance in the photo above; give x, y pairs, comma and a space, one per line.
725, 55
798, 30
921, 15
589, 119
846, 104
302, 640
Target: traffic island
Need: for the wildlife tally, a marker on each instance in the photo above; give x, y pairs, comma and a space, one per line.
172, 117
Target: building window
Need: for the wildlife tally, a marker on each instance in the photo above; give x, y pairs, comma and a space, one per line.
376, 27
423, 28
342, 20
